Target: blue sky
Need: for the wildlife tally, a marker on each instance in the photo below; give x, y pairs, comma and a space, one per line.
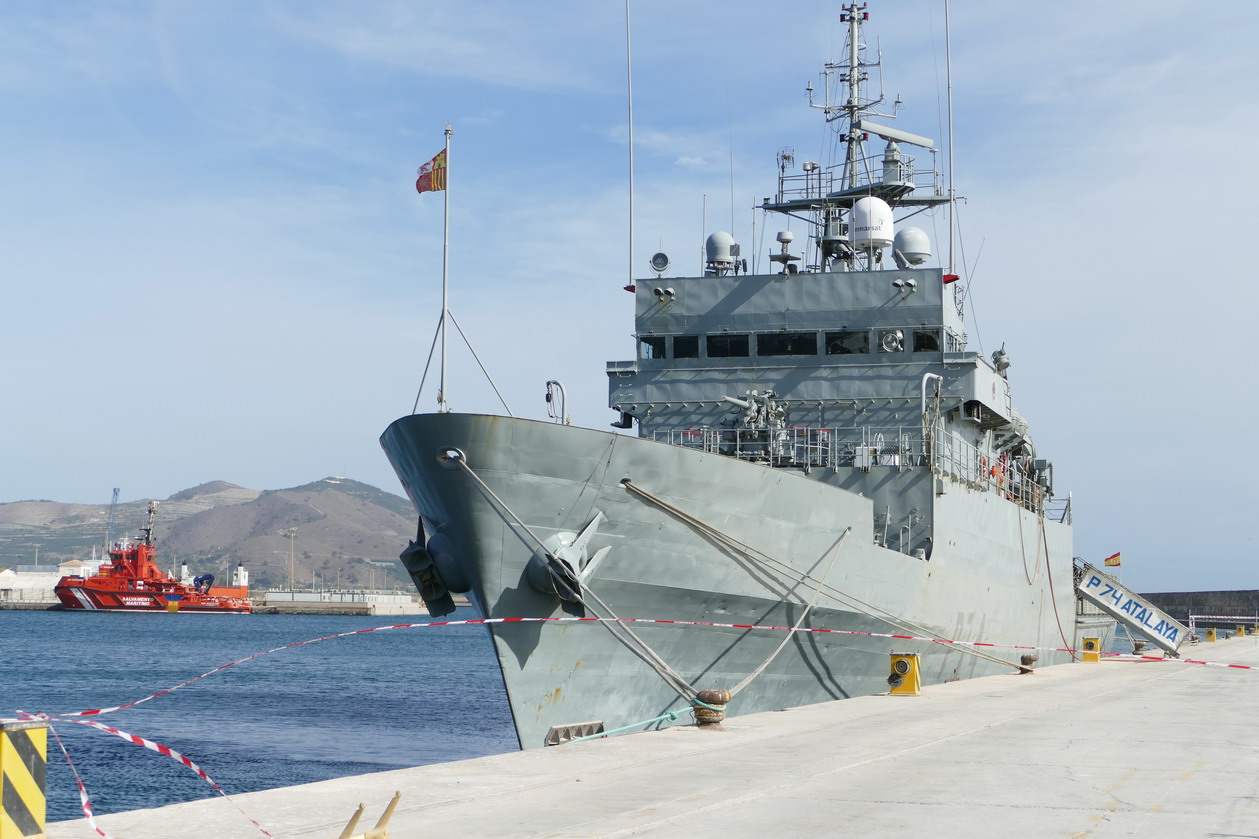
214, 264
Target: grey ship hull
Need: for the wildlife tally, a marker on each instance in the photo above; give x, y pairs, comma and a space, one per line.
998, 573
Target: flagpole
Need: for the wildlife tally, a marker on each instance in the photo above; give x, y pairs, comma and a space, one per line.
441, 387
629, 97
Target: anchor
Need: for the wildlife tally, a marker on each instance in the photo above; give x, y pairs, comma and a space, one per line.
562, 565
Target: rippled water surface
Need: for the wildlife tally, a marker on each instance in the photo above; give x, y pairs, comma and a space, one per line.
344, 706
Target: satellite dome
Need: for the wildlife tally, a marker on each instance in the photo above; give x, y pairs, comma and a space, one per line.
719, 249
913, 244
871, 223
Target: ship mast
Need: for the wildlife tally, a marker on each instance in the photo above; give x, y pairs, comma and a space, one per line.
828, 195
854, 15
148, 530
848, 108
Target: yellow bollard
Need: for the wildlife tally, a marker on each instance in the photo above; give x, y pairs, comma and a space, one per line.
1211, 634
1092, 649
23, 756
905, 679
1241, 631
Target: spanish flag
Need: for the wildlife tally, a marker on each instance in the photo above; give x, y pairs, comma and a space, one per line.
432, 174
1111, 561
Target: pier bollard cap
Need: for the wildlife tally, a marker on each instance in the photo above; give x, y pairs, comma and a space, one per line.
710, 716
714, 697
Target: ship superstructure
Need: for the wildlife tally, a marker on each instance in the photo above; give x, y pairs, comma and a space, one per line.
816, 448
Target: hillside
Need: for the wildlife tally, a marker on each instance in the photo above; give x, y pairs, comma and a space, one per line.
346, 534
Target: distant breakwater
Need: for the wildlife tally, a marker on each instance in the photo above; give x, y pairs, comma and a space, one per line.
1182, 604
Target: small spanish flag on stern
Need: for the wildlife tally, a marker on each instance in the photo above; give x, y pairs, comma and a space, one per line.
1111, 561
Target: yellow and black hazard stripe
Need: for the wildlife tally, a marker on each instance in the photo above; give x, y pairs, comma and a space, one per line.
23, 758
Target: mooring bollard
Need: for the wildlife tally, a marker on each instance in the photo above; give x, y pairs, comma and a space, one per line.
23, 757
710, 706
1092, 650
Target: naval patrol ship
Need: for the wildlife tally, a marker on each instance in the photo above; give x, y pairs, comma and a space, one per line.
816, 448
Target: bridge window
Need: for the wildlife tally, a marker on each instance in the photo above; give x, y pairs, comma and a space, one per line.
926, 340
650, 346
848, 343
686, 346
786, 343
727, 346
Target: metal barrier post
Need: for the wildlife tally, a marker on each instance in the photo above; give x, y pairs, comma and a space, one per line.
23, 757
1092, 650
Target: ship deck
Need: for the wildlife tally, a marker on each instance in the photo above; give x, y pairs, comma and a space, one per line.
1116, 748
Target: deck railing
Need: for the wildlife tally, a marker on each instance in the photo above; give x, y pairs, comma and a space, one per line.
804, 446
869, 171
866, 448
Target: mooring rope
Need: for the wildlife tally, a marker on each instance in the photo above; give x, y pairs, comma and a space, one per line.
734, 691
616, 627
1049, 571
671, 716
763, 558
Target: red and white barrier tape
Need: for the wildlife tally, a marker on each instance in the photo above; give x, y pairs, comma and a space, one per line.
174, 755
711, 624
187, 762
84, 801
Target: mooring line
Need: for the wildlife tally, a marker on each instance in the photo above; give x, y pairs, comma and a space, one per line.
791, 573
613, 624
834, 551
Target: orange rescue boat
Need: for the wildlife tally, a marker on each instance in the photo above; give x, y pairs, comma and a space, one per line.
132, 582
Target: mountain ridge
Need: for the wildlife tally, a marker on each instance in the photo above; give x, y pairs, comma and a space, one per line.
344, 533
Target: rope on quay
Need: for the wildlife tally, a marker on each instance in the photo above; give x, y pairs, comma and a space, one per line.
671, 716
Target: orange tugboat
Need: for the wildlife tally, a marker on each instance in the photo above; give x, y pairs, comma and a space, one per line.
132, 582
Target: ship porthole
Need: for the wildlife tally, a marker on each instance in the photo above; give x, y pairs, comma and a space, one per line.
450, 457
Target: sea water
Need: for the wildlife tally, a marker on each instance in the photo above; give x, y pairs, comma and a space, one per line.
369, 702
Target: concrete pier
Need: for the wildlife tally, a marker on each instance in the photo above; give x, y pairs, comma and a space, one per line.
1151, 748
